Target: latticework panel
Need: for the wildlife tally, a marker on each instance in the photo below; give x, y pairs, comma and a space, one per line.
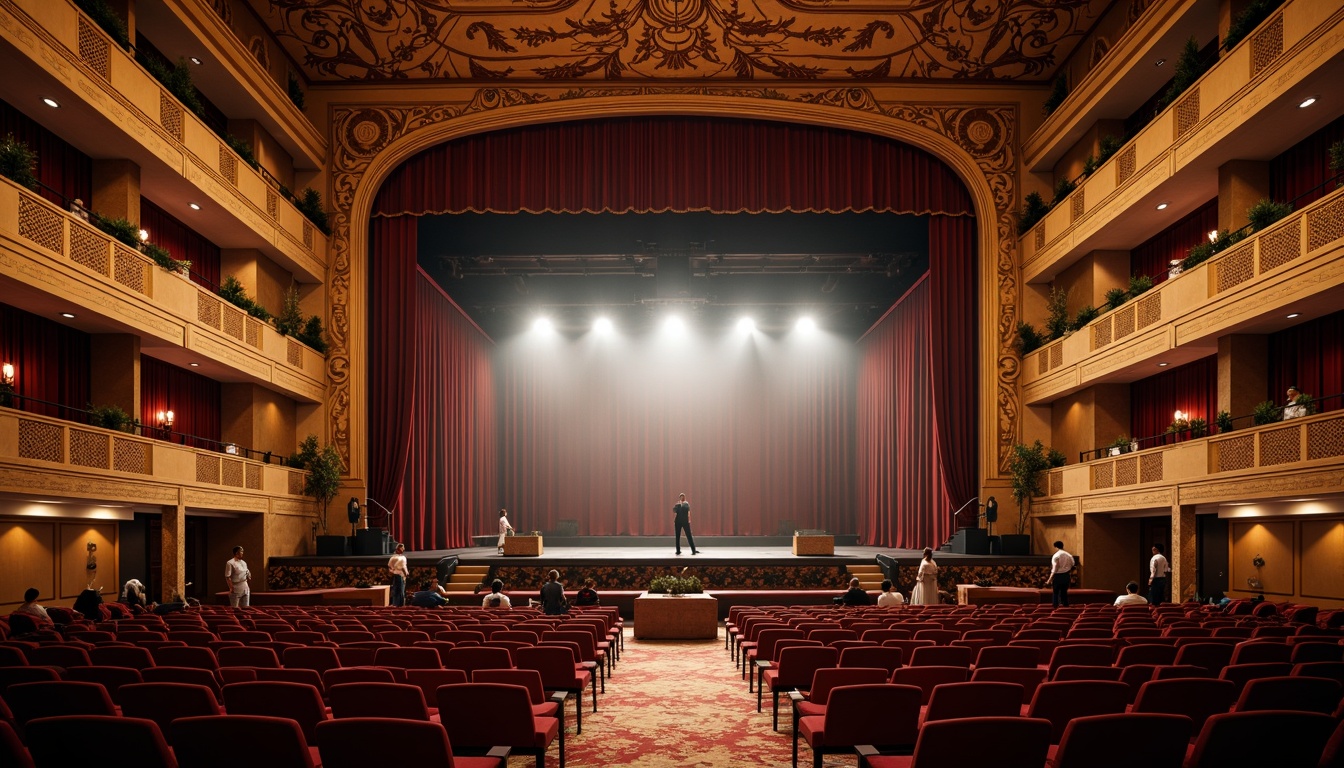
253, 477
272, 204
1236, 267
89, 250
228, 165
252, 331
1056, 356
170, 115
1127, 471
1235, 453
308, 235
295, 487
233, 323
94, 49
293, 353
131, 271
1039, 237
41, 225
207, 310
1056, 483
1124, 321
132, 456
1150, 310
1126, 165
1103, 475
233, 473
1187, 112
1325, 439
1043, 362
89, 449
40, 440
1280, 446
1280, 247
1150, 467
1267, 45
1101, 333
1325, 225
1076, 206
207, 469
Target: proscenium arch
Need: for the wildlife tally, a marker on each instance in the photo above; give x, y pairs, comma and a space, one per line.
998, 271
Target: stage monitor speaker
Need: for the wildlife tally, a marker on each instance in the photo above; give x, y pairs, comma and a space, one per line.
372, 541
991, 510
971, 541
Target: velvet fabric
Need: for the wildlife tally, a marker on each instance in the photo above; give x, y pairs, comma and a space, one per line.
1191, 388
51, 362
193, 399
65, 172
1153, 257
1310, 356
184, 244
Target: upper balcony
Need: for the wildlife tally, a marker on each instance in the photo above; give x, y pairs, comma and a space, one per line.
112, 108
49, 258
1245, 107
1296, 265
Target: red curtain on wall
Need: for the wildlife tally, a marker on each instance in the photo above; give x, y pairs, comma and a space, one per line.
66, 172
193, 399
1191, 388
1153, 257
1300, 172
1311, 356
899, 489
954, 326
183, 243
392, 355
51, 362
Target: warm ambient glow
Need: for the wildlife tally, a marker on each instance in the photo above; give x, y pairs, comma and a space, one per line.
746, 325
1213, 236
806, 325
542, 325
604, 326
674, 325
1180, 416
144, 235
7, 373
165, 418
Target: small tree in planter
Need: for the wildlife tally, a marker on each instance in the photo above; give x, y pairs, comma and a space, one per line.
323, 479
1265, 412
1025, 466
1224, 422
17, 161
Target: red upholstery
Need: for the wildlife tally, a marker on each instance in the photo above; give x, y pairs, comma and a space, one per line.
378, 700
1302, 694
478, 716
1062, 701
1243, 738
361, 742
952, 701
1195, 698
250, 739
1018, 742
139, 743
165, 702
1123, 740
297, 701
883, 715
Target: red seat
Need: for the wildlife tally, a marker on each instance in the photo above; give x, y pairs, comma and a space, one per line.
63, 655
812, 703
360, 742
226, 741
1212, 657
1084, 672
887, 658
951, 701
1147, 653
138, 743
1018, 742
1302, 694
1283, 739
1063, 701
472, 657
1196, 698
926, 678
378, 700
111, 678
883, 715
1015, 656
1261, 652
165, 702
341, 675
1029, 678
52, 698
559, 673
480, 716
794, 670
187, 675
297, 701
186, 656
248, 656
1122, 740
12, 751
941, 656
319, 659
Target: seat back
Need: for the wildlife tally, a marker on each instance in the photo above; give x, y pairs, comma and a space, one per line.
1301, 694
429, 680
825, 679
359, 742
1333, 670
941, 656
1147, 653
188, 675
341, 675
111, 678
974, 699
1082, 672
1261, 652
1242, 738
403, 637
408, 658
926, 678
1062, 701
939, 636
1240, 674
62, 655
528, 678
296, 675
1210, 656
186, 656
830, 635
798, 664
139, 742
884, 715
872, 656
1150, 740
248, 656
555, 664
1018, 742
1028, 678
471, 658
482, 715
250, 740
378, 700
268, 698
1015, 656
316, 658
52, 698
1196, 698
1080, 655
165, 702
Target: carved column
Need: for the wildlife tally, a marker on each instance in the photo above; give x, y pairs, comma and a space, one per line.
116, 190
1182, 556
174, 551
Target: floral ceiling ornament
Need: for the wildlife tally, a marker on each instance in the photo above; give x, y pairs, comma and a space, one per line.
679, 39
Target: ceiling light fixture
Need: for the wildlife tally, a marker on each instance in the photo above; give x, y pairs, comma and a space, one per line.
1162, 206
806, 324
542, 325
1161, 365
1307, 102
194, 206
195, 61
746, 325
603, 326
1294, 315
1159, 62
195, 365
1213, 235
68, 315
54, 104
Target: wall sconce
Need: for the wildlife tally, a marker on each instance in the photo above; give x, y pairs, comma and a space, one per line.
165, 419
1180, 416
231, 449
144, 235
1213, 236
7, 374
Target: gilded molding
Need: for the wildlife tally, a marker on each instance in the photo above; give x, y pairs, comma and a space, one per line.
986, 133
1054, 508
60, 482
1118, 357
212, 499
1264, 485
292, 508
1163, 497
201, 340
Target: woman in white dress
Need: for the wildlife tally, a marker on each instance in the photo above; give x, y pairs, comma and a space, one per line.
926, 581
504, 529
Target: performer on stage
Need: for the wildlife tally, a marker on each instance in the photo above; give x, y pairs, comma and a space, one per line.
504, 529
681, 512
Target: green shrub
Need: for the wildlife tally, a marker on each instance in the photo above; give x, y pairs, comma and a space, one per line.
233, 292
1090, 165
1265, 212
1139, 284
1189, 68
1063, 188
1265, 413
290, 320
1245, 22
243, 149
1199, 427
310, 205
312, 335
1116, 296
177, 79
1085, 315
1108, 146
120, 229
675, 585
1059, 91
1124, 443
1056, 459
296, 90
110, 417
1198, 255
17, 162
1033, 210
1028, 338
1224, 422
160, 255
1057, 317
103, 15
1337, 160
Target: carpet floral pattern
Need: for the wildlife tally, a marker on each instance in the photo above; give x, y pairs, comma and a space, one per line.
679, 704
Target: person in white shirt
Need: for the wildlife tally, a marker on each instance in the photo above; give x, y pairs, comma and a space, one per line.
1293, 409
496, 598
30, 606
1131, 596
889, 597
237, 574
396, 566
504, 529
1158, 568
1061, 565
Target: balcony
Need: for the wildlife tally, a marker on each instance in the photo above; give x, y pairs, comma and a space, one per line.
1250, 94
55, 49
48, 252
1297, 457
50, 456
1296, 262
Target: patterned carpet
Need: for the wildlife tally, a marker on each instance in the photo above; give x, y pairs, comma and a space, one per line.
678, 704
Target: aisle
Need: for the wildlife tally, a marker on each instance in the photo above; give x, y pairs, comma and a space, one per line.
678, 704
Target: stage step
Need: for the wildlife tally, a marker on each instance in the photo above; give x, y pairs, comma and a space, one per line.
465, 578
869, 576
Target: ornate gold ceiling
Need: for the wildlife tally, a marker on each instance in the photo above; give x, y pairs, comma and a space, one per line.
787, 40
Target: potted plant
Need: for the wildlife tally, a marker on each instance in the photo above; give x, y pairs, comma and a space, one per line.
1266, 412
17, 161
1025, 466
322, 482
675, 586
1224, 422
1121, 444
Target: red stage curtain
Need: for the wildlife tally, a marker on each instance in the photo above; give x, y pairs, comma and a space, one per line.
1310, 355
392, 355
1301, 170
449, 486
183, 243
955, 324
652, 164
51, 362
193, 399
898, 482
1192, 388
1153, 257
66, 172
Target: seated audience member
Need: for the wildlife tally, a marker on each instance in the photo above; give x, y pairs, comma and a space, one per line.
133, 594
30, 606
889, 596
428, 596
587, 595
855, 595
1296, 407
173, 606
90, 603
1131, 596
496, 598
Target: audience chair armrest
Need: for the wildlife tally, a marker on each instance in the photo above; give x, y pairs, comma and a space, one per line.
501, 754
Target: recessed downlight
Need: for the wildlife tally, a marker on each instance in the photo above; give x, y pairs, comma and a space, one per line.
1159, 62
195, 61
194, 206
1161, 365
1162, 206
1307, 102
54, 104
195, 365
1294, 315
68, 315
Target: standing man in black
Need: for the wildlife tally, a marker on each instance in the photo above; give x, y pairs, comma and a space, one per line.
681, 511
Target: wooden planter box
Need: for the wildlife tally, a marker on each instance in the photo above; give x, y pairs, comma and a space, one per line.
523, 546
685, 617
814, 545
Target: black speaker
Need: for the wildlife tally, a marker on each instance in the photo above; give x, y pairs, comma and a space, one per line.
352, 510
372, 541
991, 510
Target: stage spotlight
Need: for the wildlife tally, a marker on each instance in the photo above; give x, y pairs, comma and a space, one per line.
746, 325
806, 325
603, 326
674, 325
542, 325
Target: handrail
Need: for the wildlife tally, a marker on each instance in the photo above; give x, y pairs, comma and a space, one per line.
150, 432
1210, 429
